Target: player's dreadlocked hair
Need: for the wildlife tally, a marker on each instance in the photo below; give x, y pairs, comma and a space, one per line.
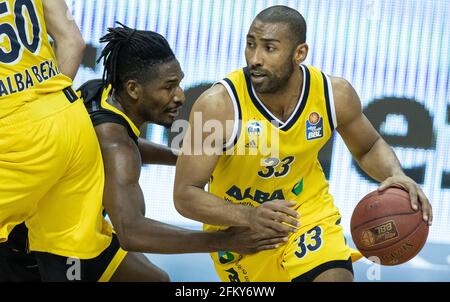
132, 54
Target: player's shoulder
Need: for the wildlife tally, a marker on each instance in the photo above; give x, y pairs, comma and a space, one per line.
215, 102
341, 86
346, 100
114, 136
91, 94
120, 154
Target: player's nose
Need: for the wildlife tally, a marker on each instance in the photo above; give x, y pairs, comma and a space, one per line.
179, 97
255, 58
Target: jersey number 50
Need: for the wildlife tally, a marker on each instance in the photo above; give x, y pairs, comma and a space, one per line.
20, 39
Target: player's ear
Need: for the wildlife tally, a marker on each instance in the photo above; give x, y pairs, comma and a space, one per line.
133, 89
300, 53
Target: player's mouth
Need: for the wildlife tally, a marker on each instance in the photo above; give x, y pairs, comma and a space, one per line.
257, 77
174, 112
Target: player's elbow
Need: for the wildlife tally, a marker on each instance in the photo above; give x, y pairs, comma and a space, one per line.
70, 41
127, 235
81, 44
127, 241
181, 200
73, 44
78, 45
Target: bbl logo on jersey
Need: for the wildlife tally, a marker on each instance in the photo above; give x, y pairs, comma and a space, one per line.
314, 126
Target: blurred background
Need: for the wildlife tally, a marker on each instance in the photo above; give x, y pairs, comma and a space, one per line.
394, 52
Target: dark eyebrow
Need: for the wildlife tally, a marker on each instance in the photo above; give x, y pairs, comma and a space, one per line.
171, 81
267, 40
270, 40
174, 79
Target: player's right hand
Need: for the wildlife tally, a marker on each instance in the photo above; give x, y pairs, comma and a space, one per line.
274, 218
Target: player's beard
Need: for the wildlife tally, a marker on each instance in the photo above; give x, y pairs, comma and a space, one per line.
275, 81
166, 122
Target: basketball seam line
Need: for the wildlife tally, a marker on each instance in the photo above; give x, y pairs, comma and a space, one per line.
400, 214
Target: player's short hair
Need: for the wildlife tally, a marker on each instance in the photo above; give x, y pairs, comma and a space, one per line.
132, 54
289, 16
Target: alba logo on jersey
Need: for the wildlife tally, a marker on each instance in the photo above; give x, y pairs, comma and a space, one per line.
255, 195
314, 126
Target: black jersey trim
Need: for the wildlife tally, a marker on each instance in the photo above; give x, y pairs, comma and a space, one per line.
235, 99
327, 101
91, 92
303, 99
103, 116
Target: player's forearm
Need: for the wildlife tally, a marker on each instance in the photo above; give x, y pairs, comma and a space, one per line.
194, 203
69, 53
157, 154
149, 236
68, 42
380, 162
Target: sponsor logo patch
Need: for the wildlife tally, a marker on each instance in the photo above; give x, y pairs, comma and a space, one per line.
314, 126
379, 234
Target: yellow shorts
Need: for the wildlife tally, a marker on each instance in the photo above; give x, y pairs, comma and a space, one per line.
305, 250
52, 177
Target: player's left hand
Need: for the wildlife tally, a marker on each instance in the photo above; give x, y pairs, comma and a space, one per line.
244, 240
418, 198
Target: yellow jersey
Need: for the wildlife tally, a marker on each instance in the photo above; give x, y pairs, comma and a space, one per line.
28, 63
95, 97
268, 159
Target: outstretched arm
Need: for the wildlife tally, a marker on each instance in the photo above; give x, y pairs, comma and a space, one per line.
69, 44
124, 202
156, 154
369, 149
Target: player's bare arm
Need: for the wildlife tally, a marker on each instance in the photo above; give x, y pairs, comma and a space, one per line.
190, 198
68, 43
369, 149
124, 203
156, 154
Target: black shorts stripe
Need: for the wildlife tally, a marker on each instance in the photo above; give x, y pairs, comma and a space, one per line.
70, 94
54, 268
315, 272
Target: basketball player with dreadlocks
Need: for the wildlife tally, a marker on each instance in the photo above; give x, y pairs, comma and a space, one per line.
141, 84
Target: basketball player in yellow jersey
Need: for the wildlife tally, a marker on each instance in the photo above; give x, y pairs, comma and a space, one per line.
141, 83
50, 162
284, 191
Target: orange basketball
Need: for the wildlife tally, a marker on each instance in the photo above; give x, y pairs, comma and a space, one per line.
384, 225
314, 118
